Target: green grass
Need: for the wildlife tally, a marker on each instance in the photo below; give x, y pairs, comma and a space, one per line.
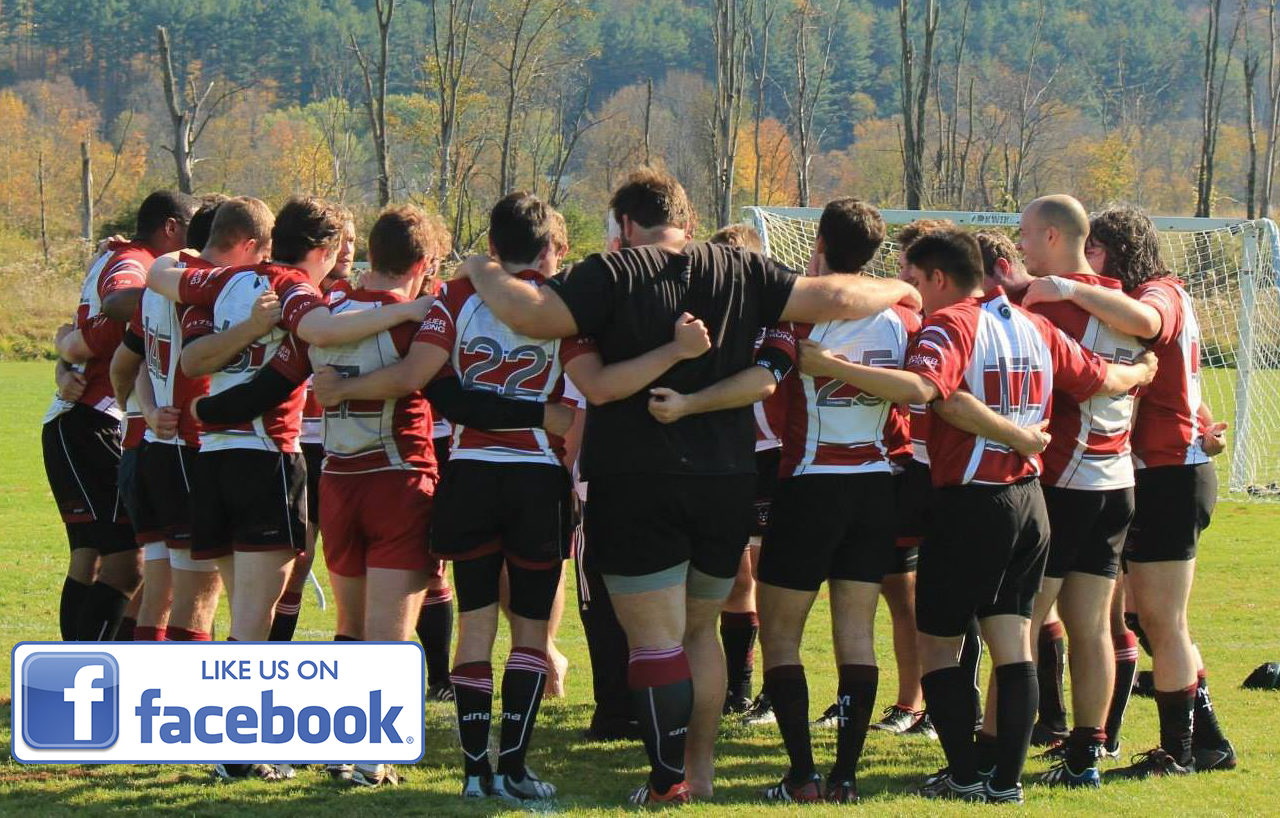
1234, 616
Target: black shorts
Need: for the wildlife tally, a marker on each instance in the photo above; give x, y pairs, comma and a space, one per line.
767, 463
127, 480
640, 524
521, 509
82, 462
829, 526
905, 560
442, 445
1172, 505
1086, 530
164, 493
314, 455
248, 500
984, 555
912, 488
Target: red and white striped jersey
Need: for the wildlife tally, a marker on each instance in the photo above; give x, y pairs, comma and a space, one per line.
918, 417
312, 411
161, 326
231, 292
1167, 427
1090, 440
832, 427
1007, 358
770, 413
122, 266
362, 436
488, 355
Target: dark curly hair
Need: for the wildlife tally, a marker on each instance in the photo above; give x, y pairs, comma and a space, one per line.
1132, 244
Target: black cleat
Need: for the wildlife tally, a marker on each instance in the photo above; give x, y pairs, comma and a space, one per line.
830, 718
527, 787
784, 792
441, 692
1043, 736
896, 720
923, 727
844, 791
941, 786
1212, 759
736, 705
1151, 764
761, 712
1013, 795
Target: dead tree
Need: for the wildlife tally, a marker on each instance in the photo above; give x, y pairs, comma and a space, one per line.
914, 94
189, 111
1214, 78
451, 63
731, 33
951, 160
86, 193
1273, 97
1252, 62
760, 71
813, 65
375, 91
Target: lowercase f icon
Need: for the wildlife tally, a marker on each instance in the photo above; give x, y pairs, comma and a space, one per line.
70, 701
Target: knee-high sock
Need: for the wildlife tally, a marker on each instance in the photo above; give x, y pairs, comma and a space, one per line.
285, 621
1126, 649
435, 632
1206, 732
523, 681
100, 615
662, 697
1051, 666
856, 699
1015, 716
73, 596
970, 660
738, 631
1177, 712
187, 635
145, 633
607, 647
948, 697
473, 697
788, 691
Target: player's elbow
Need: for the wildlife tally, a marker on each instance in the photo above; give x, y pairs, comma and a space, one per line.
73, 350
120, 305
194, 364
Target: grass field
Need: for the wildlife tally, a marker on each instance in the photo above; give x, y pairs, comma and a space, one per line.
1234, 619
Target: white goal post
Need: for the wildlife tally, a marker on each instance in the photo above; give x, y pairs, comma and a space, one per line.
1229, 266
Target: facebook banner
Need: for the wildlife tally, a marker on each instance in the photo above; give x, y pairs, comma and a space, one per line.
213, 702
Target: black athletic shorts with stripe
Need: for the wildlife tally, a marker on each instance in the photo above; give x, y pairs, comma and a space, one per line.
82, 462
248, 500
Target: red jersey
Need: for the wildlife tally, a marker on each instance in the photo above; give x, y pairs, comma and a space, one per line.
1090, 439
1007, 358
362, 436
161, 326
231, 292
832, 427
1167, 427
488, 355
771, 413
123, 266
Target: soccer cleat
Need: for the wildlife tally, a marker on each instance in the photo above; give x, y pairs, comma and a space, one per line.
761, 712
1042, 736
1211, 759
441, 692
528, 788
896, 720
941, 786
1152, 763
736, 705
340, 772
923, 727
1060, 775
810, 792
375, 775
477, 786
841, 792
245, 772
646, 795
1110, 750
830, 718
1055, 752
1013, 795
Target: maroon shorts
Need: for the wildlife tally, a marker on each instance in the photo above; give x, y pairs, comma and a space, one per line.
377, 520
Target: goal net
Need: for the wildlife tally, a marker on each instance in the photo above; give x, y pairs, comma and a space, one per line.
1228, 266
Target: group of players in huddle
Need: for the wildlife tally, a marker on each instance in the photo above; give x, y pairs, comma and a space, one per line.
978, 439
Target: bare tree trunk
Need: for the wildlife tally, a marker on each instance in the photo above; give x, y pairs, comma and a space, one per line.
809, 90
535, 23
44, 224
179, 114
1214, 79
451, 46
86, 193
731, 32
1273, 94
914, 91
761, 70
1251, 64
648, 117
376, 95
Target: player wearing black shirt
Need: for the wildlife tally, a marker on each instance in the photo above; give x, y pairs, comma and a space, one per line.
669, 507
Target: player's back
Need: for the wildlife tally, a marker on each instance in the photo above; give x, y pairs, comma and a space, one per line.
362, 436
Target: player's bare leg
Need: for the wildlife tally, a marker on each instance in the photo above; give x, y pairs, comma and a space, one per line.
196, 586
1125, 647
352, 600
1084, 604
260, 577
1160, 592
739, 627
706, 663
156, 594
287, 609
557, 661
853, 616
393, 599
899, 592
783, 613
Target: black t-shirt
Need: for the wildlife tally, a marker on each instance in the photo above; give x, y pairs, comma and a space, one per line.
628, 301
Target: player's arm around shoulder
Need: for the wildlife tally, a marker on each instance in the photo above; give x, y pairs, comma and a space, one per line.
1114, 308
602, 384
894, 385
529, 309
815, 299
404, 377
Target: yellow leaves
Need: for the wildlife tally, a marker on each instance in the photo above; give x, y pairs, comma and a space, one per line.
776, 164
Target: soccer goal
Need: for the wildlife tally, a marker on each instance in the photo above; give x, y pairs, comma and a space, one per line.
1229, 266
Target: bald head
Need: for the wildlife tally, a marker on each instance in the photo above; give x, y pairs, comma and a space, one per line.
1064, 214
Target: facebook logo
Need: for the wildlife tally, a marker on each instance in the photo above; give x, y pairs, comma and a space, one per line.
70, 701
